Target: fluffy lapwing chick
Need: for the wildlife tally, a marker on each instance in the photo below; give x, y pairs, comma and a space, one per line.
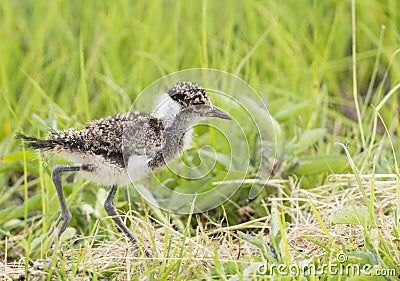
121, 149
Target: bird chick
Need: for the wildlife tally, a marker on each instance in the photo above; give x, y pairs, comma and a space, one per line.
121, 149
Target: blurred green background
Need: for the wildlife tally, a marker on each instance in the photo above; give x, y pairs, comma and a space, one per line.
85, 60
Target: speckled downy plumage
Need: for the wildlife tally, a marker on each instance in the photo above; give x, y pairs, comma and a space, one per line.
123, 148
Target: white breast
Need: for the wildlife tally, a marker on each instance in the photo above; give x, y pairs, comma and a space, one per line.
104, 171
137, 167
107, 173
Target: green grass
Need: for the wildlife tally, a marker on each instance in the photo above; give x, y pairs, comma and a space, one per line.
324, 78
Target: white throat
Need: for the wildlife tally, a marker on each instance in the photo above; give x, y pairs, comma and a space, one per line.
166, 109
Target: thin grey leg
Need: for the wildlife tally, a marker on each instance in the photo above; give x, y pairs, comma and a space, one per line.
65, 215
112, 212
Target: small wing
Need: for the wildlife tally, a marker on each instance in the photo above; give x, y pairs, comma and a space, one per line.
122, 134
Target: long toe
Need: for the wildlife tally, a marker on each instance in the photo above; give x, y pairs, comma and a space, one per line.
63, 227
64, 219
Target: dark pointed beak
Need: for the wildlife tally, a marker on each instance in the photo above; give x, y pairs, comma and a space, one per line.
218, 113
